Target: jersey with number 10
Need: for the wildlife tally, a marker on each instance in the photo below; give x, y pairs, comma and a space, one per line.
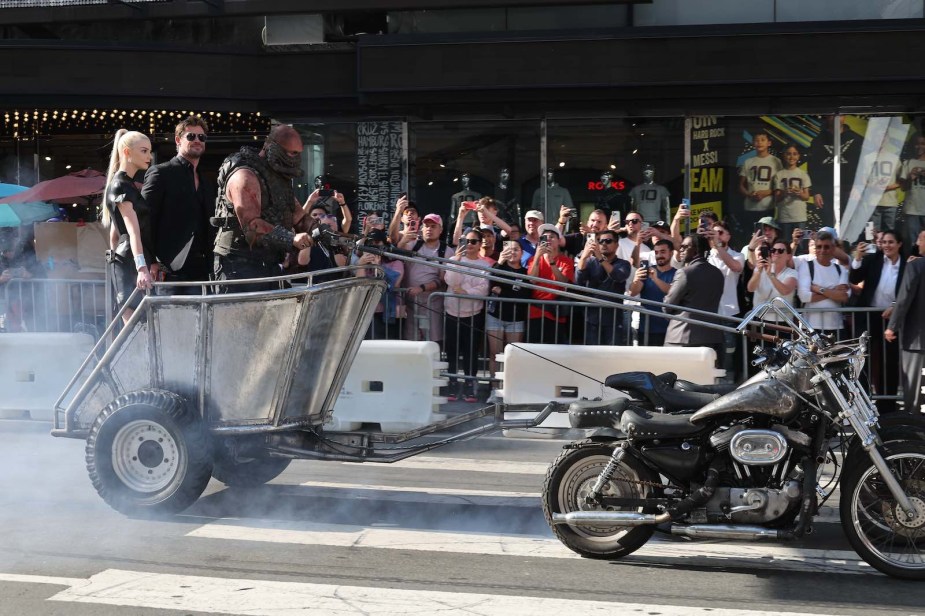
649, 201
759, 172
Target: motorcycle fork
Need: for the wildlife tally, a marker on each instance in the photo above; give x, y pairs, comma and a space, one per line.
863, 421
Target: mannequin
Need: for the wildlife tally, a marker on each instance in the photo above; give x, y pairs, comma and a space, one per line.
466, 194
651, 200
610, 199
508, 207
552, 198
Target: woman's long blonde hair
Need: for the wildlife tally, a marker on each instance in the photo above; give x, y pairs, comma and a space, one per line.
124, 139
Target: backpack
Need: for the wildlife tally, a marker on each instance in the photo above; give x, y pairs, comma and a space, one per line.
442, 249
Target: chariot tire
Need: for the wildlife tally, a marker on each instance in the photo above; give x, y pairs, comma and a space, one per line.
250, 473
571, 476
897, 426
870, 516
147, 454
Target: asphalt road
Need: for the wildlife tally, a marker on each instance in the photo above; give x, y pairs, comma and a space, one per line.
458, 530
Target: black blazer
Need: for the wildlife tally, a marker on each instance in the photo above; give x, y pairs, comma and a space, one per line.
698, 285
179, 212
870, 271
910, 306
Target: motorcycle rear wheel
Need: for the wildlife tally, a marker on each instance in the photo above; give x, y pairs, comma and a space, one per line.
571, 477
872, 520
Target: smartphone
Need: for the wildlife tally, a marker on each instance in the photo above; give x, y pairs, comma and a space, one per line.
764, 252
869, 231
470, 205
591, 237
373, 220
413, 225
645, 226
615, 217
757, 227
508, 245
543, 243
685, 204
644, 265
325, 192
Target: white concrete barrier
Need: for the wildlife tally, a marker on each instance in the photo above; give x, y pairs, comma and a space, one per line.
392, 383
538, 373
35, 368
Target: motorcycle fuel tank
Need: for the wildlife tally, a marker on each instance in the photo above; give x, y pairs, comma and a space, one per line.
770, 397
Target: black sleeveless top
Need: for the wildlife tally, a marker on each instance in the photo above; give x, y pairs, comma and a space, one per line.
122, 188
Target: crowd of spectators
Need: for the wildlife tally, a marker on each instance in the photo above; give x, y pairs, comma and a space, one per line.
694, 272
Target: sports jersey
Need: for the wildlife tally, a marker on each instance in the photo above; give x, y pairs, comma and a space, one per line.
649, 201
880, 170
915, 197
791, 208
758, 172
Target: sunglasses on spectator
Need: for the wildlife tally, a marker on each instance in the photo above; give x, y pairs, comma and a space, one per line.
605, 241
193, 136
685, 247
473, 241
779, 251
633, 221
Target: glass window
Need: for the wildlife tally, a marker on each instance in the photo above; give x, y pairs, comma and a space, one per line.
613, 165
455, 162
692, 12
329, 159
825, 10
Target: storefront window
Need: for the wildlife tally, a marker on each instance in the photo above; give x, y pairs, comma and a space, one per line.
329, 158
613, 165
454, 162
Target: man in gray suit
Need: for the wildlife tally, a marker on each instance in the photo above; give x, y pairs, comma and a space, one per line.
698, 285
907, 320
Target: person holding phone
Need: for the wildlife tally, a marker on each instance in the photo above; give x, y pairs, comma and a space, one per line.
406, 212
425, 311
600, 268
390, 312
731, 263
487, 212
653, 282
549, 325
772, 277
465, 318
505, 320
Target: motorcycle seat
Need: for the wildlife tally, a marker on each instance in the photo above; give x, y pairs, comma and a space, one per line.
644, 425
673, 400
645, 381
720, 388
596, 413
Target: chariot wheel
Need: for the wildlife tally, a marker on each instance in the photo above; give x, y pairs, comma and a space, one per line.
147, 454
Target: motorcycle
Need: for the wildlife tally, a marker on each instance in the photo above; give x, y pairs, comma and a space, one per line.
746, 464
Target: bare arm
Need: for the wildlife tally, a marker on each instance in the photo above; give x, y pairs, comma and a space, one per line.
244, 192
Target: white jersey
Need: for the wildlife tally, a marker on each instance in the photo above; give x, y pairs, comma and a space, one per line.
791, 208
914, 205
759, 172
879, 170
649, 200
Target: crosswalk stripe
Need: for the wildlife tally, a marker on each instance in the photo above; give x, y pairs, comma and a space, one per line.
395, 538
469, 465
253, 597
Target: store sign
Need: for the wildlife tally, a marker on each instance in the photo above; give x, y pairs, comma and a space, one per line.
380, 166
615, 184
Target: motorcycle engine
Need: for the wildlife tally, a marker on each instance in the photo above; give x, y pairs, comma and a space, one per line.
751, 505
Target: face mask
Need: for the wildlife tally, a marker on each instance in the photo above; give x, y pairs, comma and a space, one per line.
281, 162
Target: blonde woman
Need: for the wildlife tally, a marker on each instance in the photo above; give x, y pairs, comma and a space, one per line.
129, 217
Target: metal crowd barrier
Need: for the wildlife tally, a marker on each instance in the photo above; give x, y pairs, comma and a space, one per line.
53, 305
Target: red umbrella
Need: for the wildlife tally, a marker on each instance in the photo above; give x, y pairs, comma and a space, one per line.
65, 188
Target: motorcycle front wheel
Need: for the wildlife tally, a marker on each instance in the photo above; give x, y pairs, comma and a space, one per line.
877, 528
571, 478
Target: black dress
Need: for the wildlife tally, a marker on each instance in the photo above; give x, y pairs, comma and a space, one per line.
125, 274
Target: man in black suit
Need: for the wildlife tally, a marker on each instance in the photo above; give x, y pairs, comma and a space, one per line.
181, 204
880, 274
698, 285
907, 320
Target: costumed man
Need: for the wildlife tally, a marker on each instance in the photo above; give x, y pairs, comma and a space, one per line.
259, 219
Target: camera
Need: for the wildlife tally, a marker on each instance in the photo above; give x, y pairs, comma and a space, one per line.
764, 252
325, 192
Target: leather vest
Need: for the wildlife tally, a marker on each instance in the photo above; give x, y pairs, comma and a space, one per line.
276, 207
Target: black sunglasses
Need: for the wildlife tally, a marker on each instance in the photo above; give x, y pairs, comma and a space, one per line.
605, 241
633, 221
193, 136
684, 247
472, 241
779, 251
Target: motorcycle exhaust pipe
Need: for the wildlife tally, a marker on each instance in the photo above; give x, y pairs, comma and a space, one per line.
617, 518
726, 531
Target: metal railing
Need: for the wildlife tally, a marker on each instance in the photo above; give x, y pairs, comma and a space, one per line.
53, 305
